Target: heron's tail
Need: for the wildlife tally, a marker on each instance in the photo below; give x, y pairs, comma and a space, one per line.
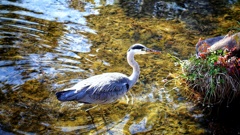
67, 95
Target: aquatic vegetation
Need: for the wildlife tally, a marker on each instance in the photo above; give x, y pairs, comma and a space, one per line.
215, 76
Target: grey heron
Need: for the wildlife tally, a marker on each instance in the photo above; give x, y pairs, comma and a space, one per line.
107, 87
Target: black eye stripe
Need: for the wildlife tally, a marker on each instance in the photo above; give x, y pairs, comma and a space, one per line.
137, 47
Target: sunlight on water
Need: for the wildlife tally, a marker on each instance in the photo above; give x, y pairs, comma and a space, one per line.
32, 25
49, 45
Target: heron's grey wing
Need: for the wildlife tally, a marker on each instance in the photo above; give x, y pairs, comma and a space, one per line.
109, 92
108, 88
71, 94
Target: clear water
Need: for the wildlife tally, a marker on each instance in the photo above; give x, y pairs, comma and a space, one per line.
49, 45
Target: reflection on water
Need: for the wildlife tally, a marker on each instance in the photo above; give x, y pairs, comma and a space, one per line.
48, 45
196, 14
40, 40
42, 36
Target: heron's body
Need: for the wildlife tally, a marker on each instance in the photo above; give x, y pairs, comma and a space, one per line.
106, 87
99, 89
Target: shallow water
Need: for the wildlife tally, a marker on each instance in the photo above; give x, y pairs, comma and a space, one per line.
49, 45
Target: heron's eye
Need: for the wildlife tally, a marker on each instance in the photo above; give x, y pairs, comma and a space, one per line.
143, 49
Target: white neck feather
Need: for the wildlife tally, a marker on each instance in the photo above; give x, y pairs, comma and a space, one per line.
136, 69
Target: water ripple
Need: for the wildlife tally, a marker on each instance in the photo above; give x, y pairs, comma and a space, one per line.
42, 37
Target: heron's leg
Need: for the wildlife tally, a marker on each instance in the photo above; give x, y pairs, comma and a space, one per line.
102, 114
127, 98
91, 108
105, 119
92, 120
132, 96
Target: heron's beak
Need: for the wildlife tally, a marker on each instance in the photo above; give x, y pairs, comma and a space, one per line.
152, 51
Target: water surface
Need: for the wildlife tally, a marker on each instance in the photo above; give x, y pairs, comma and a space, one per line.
49, 45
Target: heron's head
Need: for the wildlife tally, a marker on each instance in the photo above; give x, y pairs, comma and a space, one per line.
141, 49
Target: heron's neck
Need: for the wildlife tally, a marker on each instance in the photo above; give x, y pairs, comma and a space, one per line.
136, 70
